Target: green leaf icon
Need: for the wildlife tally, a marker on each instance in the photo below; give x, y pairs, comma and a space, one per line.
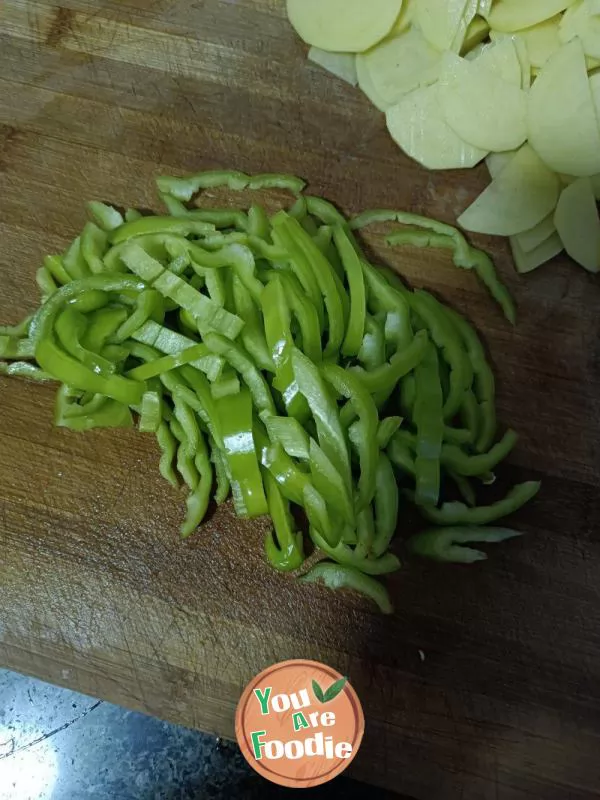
318, 692
334, 690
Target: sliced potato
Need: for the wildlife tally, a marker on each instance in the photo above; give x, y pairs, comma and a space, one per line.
534, 237
521, 196
527, 262
405, 19
418, 126
465, 21
400, 64
342, 65
496, 162
484, 8
366, 84
561, 118
439, 20
476, 33
583, 20
515, 15
480, 107
343, 26
578, 225
502, 59
542, 41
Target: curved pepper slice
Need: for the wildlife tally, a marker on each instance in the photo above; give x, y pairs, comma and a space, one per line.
445, 544
287, 553
336, 576
429, 421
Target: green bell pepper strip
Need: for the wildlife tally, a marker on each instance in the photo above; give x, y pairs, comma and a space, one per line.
185, 457
387, 498
336, 576
258, 223
385, 378
253, 333
323, 238
185, 188
168, 447
131, 214
387, 428
401, 456
112, 414
328, 481
356, 286
465, 488
304, 314
228, 383
445, 544
303, 247
151, 412
46, 283
102, 326
167, 363
460, 514
287, 553
172, 343
298, 209
220, 466
236, 426
22, 369
349, 386
174, 206
408, 388
151, 225
365, 532
221, 218
290, 434
106, 217
70, 327
299, 266
11, 347
73, 261
208, 314
470, 415
457, 436
485, 386
203, 402
94, 244
312, 383
474, 465
239, 359
274, 180
90, 300
372, 350
348, 557
464, 255
54, 265
450, 345
20, 330
148, 305
277, 322
429, 421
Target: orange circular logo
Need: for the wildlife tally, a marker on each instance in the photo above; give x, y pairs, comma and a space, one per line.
299, 723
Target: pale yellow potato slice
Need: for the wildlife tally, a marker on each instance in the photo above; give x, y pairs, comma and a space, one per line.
467, 18
521, 53
476, 33
484, 8
534, 237
405, 19
528, 261
480, 107
400, 64
342, 65
343, 26
496, 162
567, 180
439, 20
542, 41
515, 15
503, 60
561, 117
417, 124
519, 197
578, 225
366, 84
583, 20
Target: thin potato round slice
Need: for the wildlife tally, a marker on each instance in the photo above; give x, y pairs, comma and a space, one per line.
561, 117
583, 20
542, 41
418, 126
342, 65
480, 107
440, 20
350, 26
366, 84
578, 224
515, 15
521, 196
534, 237
400, 64
502, 59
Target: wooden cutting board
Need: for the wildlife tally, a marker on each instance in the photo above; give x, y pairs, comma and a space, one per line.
485, 684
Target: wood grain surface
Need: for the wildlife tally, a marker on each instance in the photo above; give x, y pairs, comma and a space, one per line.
97, 592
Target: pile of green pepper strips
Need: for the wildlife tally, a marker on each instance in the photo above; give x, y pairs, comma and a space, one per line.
272, 360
